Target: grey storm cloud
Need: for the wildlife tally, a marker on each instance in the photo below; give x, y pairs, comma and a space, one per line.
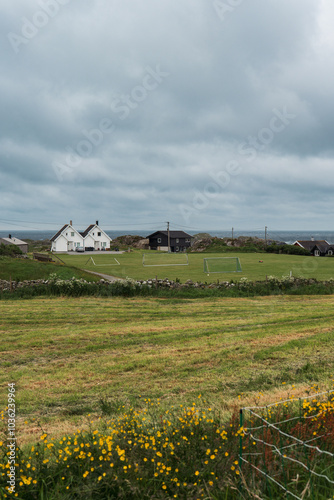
208, 113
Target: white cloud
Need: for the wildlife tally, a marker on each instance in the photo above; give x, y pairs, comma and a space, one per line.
224, 80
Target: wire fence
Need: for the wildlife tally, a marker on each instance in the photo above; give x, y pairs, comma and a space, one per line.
286, 448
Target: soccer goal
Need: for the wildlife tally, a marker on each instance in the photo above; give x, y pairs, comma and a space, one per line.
222, 265
165, 259
103, 261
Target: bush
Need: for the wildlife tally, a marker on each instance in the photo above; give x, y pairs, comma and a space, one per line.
74, 287
286, 249
142, 451
10, 250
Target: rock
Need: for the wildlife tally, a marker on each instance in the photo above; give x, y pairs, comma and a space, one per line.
201, 244
130, 240
142, 244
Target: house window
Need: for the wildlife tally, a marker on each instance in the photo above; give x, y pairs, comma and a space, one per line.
99, 234
104, 244
177, 240
187, 240
176, 249
330, 252
72, 234
159, 240
316, 253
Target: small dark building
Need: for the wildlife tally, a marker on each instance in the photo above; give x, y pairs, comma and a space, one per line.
179, 241
318, 248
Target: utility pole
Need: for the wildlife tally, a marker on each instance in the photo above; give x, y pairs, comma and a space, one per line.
265, 235
168, 237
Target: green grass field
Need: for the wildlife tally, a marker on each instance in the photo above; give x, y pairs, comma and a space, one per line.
65, 355
131, 265
28, 269
104, 385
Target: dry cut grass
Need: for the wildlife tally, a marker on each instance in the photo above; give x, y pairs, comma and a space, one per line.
69, 357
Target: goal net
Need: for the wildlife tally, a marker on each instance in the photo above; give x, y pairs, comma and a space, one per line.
165, 259
103, 261
222, 265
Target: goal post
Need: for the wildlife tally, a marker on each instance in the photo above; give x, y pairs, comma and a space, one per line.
103, 261
222, 265
164, 259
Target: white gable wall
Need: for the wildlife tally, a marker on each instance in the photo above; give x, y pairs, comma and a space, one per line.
88, 241
67, 241
60, 245
98, 238
70, 239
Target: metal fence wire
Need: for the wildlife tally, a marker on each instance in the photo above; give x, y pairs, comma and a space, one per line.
286, 448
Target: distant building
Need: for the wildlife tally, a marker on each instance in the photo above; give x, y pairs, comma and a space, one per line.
68, 239
179, 241
11, 240
318, 248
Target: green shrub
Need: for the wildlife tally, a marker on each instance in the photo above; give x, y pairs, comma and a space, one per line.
10, 250
286, 249
75, 287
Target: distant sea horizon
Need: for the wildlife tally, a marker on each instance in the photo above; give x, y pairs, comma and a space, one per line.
282, 235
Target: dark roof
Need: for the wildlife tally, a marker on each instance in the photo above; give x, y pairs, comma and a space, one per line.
310, 245
173, 234
323, 247
59, 232
86, 231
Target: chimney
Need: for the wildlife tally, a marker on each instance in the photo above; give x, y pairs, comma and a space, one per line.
312, 239
71, 223
10, 236
97, 222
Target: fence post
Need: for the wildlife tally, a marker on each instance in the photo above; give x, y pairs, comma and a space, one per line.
309, 468
240, 449
264, 452
283, 466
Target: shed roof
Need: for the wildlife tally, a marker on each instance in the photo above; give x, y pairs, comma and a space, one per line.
14, 241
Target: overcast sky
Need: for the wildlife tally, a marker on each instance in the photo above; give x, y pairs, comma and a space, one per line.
208, 114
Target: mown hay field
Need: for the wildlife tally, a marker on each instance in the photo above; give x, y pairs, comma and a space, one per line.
70, 356
255, 266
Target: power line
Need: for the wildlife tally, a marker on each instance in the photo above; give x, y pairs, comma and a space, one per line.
14, 221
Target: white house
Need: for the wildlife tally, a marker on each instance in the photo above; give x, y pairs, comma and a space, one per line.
95, 237
68, 239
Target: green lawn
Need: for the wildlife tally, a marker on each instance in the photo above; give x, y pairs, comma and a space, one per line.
29, 269
67, 354
131, 265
